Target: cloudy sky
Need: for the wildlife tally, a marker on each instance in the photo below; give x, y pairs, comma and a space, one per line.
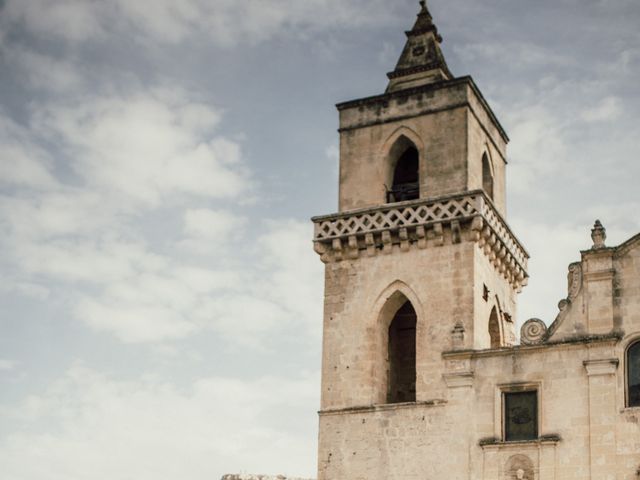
160, 300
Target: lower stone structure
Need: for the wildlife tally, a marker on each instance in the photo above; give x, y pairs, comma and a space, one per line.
585, 425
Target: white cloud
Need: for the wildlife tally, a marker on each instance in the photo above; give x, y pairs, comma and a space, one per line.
333, 154
225, 22
207, 229
74, 20
130, 157
146, 146
608, 109
22, 161
538, 147
27, 289
512, 56
88, 425
6, 365
45, 72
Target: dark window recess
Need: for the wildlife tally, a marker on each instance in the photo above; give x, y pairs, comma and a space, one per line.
402, 356
633, 375
487, 178
494, 329
485, 293
405, 178
520, 416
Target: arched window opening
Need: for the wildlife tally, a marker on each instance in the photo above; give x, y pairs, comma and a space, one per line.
487, 176
405, 161
494, 329
633, 375
402, 356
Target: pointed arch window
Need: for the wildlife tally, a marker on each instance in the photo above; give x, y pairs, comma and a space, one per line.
494, 329
402, 356
404, 159
487, 176
633, 375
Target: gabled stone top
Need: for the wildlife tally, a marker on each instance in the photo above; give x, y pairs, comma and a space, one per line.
421, 61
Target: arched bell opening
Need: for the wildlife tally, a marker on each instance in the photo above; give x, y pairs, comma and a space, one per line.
404, 160
402, 356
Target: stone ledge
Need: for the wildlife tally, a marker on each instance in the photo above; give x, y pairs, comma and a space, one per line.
606, 366
458, 379
569, 342
551, 439
459, 81
383, 407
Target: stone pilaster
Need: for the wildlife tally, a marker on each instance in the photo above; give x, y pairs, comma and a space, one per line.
602, 418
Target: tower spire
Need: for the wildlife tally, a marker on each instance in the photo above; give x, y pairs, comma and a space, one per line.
421, 61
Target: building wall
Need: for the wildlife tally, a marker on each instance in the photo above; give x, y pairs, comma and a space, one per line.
451, 129
355, 326
455, 431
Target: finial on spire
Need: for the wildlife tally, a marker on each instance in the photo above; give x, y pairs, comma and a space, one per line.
598, 235
424, 9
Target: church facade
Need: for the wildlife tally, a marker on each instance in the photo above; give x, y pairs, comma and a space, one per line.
422, 374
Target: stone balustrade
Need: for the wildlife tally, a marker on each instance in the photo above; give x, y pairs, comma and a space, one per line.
456, 218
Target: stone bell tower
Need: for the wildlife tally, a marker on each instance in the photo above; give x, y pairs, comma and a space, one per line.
419, 261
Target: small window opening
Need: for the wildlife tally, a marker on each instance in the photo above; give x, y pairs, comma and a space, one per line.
406, 178
633, 375
485, 293
402, 356
494, 329
520, 416
487, 177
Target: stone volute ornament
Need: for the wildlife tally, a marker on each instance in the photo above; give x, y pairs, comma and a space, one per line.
598, 235
533, 331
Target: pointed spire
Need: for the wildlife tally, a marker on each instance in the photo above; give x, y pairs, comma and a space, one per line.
422, 61
424, 23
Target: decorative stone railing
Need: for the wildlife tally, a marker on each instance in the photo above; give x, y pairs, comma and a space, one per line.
468, 216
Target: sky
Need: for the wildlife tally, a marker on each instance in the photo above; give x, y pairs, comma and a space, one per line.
160, 300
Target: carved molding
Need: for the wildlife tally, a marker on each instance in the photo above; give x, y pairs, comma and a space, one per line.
607, 366
458, 380
420, 223
575, 280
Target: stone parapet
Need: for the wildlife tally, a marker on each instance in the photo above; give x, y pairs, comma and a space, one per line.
423, 223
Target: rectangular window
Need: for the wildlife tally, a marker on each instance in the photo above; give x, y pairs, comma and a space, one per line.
520, 416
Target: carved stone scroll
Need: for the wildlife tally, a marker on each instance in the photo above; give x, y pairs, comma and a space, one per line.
533, 331
575, 280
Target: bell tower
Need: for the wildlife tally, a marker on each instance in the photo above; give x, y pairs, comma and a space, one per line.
419, 261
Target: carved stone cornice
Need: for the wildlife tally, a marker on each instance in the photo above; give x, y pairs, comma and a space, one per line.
423, 223
458, 379
606, 366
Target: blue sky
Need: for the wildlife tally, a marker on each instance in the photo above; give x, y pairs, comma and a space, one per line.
161, 304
